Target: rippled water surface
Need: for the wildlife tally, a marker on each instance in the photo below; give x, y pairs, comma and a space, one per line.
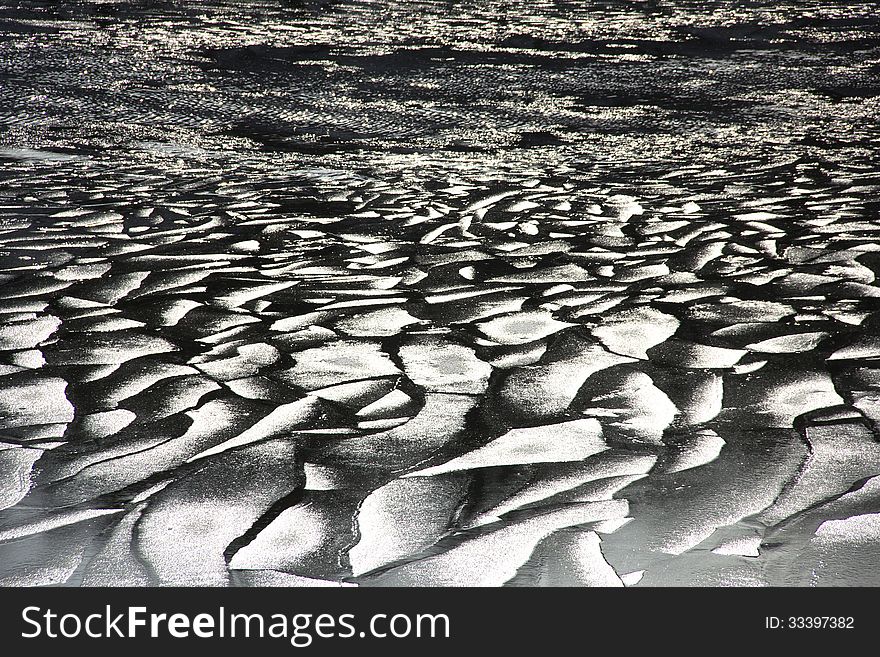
441, 293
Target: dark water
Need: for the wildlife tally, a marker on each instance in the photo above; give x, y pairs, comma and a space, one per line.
442, 293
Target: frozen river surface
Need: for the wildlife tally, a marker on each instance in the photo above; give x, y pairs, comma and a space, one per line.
442, 293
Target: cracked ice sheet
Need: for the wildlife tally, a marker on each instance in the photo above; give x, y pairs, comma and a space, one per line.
492, 558
186, 528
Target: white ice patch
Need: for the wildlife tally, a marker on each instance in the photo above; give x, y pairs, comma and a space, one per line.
30, 400
695, 450
632, 332
442, 366
521, 327
743, 546
15, 474
788, 344
568, 478
380, 323
566, 441
633, 578
493, 558
403, 518
27, 334
283, 419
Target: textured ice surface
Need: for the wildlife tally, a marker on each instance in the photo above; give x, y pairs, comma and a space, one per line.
508, 293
